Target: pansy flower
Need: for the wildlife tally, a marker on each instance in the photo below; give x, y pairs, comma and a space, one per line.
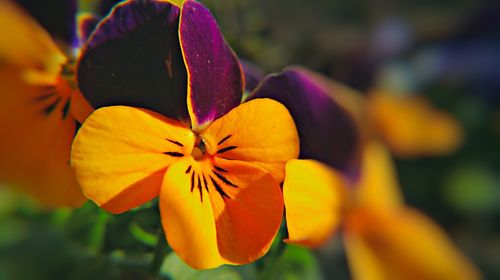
39, 108
170, 125
356, 194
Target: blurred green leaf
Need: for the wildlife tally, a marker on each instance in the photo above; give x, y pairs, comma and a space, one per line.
142, 235
472, 189
294, 263
11, 231
175, 268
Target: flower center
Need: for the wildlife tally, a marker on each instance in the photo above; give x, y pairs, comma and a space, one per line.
199, 151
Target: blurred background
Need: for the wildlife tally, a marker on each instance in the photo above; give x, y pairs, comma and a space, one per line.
446, 51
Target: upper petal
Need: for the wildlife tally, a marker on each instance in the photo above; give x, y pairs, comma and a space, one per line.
402, 244
121, 153
187, 216
327, 131
259, 131
253, 75
314, 199
412, 127
215, 82
248, 210
24, 43
134, 58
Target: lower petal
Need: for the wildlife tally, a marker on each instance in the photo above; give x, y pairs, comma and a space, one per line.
188, 218
402, 244
249, 216
314, 196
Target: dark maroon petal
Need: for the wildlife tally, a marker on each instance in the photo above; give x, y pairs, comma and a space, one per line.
134, 58
253, 75
215, 77
327, 131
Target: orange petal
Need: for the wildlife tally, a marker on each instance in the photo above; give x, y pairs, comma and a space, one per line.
24, 43
412, 127
45, 173
314, 197
402, 244
188, 218
377, 186
249, 215
120, 153
260, 131
36, 140
80, 107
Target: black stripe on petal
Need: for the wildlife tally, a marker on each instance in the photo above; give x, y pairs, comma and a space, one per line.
224, 139
218, 188
218, 168
52, 106
66, 108
205, 182
200, 189
175, 142
192, 181
225, 180
174, 154
226, 149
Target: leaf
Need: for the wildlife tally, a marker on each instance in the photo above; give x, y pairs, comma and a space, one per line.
142, 235
472, 189
174, 268
296, 263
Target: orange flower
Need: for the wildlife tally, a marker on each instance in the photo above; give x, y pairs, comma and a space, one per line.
39, 109
383, 238
220, 198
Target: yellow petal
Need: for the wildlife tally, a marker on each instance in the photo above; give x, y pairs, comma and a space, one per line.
248, 209
260, 131
412, 127
188, 218
402, 244
377, 186
120, 154
314, 197
23, 42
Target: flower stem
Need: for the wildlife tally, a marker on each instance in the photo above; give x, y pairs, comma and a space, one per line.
160, 251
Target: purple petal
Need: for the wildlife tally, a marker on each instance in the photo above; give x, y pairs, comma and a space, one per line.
253, 75
215, 83
327, 131
134, 58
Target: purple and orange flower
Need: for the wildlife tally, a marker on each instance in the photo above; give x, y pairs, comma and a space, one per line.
170, 124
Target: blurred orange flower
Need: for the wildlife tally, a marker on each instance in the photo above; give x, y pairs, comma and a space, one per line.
383, 238
39, 109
